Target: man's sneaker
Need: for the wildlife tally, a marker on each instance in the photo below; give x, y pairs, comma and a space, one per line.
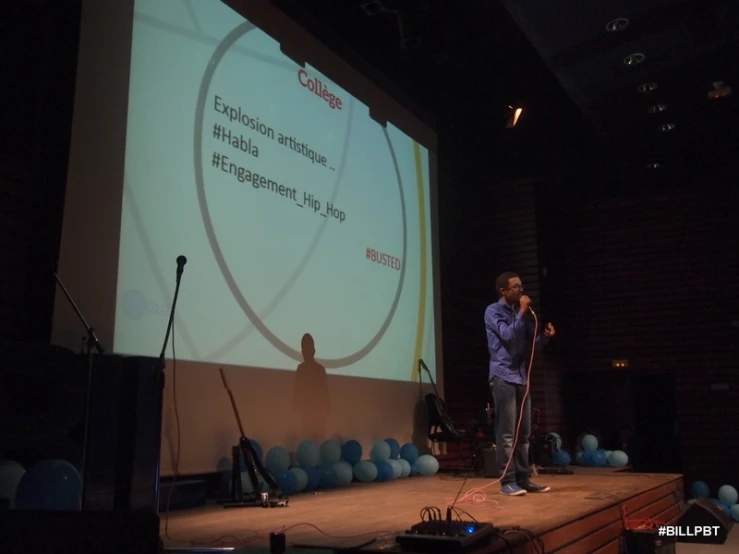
512, 490
531, 487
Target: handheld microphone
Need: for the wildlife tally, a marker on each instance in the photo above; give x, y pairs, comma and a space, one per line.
181, 261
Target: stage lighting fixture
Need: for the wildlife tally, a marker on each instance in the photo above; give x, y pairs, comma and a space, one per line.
653, 164
634, 59
373, 7
617, 25
667, 127
408, 38
513, 117
657, 108
647, 87
720, 90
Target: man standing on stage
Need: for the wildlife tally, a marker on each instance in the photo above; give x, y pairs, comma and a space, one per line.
510, 329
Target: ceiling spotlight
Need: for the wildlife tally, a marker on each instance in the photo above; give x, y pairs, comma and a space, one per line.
657, 108
667, 127
647, 87
634, 59
652, 165
617, 25
513, 117
373, 7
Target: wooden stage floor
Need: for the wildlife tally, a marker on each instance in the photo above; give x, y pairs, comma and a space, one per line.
580, 515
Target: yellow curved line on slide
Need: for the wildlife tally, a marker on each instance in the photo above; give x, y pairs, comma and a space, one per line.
422, 236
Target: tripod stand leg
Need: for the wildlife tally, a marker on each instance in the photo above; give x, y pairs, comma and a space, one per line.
272, 499
255, 468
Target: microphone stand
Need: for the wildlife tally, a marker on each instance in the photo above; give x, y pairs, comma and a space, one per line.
159, 368
91, 343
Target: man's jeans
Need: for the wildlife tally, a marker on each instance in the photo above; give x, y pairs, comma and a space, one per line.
507, 398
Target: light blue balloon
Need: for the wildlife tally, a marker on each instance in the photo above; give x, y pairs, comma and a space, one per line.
330, 452
11, 474
427, 465
380, 451
365, 471
590, 443
557, 440
728, 495
344, 473
618, 458
308, 455
397, 468
405, 468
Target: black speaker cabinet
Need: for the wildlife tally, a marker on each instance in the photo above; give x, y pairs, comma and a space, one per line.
703, 513
489, 466
30, 532
124, 435
647, 542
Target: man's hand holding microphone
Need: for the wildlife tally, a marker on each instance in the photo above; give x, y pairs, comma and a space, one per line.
525, 306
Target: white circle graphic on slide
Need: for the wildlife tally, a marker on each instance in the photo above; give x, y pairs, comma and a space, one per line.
237, 152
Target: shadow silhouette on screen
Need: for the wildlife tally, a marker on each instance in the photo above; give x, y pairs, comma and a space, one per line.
310, 392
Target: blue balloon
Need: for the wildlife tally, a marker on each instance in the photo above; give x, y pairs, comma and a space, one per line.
50, 485
314, 478
277, 459
561, 458
394, 448
409, 452
287, 481
587, 458
351, 452
699, 489
599, 458
328, 477
384, 471
301, 478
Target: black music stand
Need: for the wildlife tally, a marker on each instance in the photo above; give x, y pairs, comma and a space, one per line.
258, 499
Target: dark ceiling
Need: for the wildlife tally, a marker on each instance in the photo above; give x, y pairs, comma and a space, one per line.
584, 114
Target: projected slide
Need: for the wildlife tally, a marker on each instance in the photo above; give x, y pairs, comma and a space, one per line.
298, 213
